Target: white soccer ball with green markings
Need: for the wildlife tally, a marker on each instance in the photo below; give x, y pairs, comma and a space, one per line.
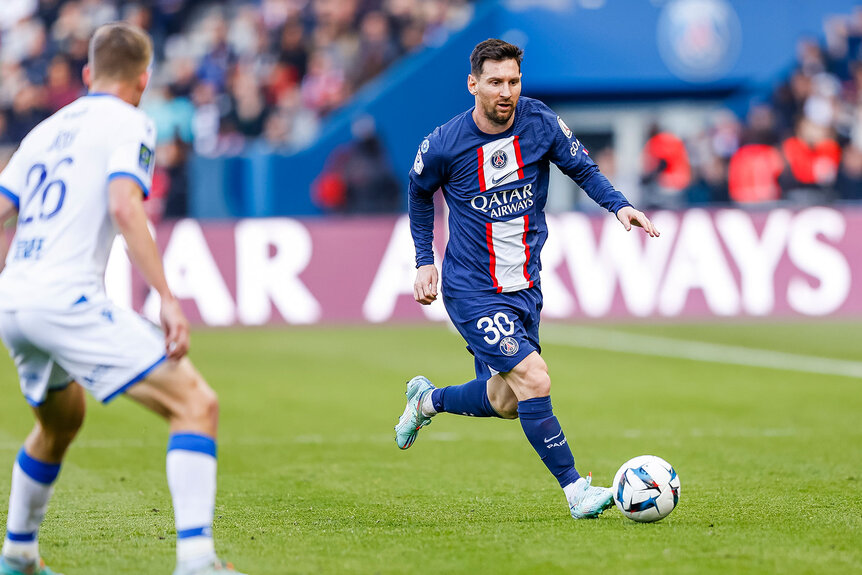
646, 488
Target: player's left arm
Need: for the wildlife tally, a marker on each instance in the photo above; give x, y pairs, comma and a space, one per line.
12, 180
125, 201
572, 158
130, 175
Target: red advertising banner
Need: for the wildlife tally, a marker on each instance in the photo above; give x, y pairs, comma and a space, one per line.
707, 264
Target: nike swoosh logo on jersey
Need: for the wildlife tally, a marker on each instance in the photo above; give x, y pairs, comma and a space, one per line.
548, 439
495, 180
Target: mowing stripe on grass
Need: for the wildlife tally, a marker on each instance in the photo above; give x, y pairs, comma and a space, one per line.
618, 341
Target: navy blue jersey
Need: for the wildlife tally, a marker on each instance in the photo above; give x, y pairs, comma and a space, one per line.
496, 187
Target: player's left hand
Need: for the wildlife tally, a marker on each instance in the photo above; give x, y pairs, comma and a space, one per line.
628, 217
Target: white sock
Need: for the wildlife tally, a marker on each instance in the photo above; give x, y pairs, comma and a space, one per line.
575, 490
428, 406
191, 468
32, 486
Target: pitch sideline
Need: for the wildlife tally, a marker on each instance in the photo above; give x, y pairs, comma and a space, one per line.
622, 342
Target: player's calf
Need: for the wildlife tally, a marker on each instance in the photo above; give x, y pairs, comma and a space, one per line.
501, 398
58, 420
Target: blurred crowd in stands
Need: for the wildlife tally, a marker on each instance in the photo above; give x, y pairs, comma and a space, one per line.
803, 143
229, 76
235, 76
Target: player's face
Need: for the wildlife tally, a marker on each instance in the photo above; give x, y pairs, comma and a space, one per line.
497, 89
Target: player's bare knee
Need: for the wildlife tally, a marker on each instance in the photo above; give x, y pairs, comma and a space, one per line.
54, 439
201, 404
533, 378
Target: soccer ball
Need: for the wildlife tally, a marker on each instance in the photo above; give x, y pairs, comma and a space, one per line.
646, 488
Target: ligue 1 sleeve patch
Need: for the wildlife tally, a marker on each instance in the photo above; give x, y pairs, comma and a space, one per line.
418, 164
145, 158
564, 127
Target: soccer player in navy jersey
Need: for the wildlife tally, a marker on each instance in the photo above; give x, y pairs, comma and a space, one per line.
492, 164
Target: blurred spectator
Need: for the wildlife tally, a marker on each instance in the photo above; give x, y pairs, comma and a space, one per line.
293, 50
358, 178
377, 49
219, 57
849, 182
812, 157
62, 87
667, 170
171, 113
27, 111
753, 174
5, 140
169, 193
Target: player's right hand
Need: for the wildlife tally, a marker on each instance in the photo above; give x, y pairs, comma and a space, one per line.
176, 328
425, 286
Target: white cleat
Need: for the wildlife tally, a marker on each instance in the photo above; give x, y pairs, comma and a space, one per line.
412, 420
591, 501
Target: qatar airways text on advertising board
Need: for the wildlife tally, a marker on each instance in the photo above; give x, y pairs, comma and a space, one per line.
706, 264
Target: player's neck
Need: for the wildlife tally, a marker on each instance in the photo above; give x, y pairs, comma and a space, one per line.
121, 90
488, 126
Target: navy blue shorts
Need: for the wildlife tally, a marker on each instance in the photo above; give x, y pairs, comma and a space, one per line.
500, 329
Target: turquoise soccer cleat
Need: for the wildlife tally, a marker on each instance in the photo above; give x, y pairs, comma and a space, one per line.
218, 567
39, 569
590, 502
412, 420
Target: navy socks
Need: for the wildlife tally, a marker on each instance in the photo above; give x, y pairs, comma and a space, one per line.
470, 399
547, 438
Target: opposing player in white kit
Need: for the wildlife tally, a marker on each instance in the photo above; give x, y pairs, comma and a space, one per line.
76, 180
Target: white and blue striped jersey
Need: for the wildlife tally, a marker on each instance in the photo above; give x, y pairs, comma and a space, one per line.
58, 179
496, 187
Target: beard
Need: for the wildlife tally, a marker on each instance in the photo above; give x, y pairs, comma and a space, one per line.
495, 116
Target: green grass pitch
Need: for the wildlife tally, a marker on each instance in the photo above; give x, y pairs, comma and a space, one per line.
310, 479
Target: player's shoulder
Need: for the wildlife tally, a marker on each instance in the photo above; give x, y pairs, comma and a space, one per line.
534, 109
442, 141
115, 115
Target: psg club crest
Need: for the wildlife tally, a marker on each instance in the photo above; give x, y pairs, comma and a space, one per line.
509, 346
499, 159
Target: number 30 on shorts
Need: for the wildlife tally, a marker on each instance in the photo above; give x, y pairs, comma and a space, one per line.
501, 324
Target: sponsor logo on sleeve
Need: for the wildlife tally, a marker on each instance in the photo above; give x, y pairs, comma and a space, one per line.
564, 127
145, 158
424, 146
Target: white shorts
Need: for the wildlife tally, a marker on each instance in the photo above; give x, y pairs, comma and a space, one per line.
104, 348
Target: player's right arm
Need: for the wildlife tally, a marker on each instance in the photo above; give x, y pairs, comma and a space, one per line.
426, 177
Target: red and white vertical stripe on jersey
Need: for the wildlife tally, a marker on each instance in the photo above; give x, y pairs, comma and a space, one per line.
509, 254
481, 154
500, 162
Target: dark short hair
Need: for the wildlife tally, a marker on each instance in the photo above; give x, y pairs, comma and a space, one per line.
495, 50
119, 51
